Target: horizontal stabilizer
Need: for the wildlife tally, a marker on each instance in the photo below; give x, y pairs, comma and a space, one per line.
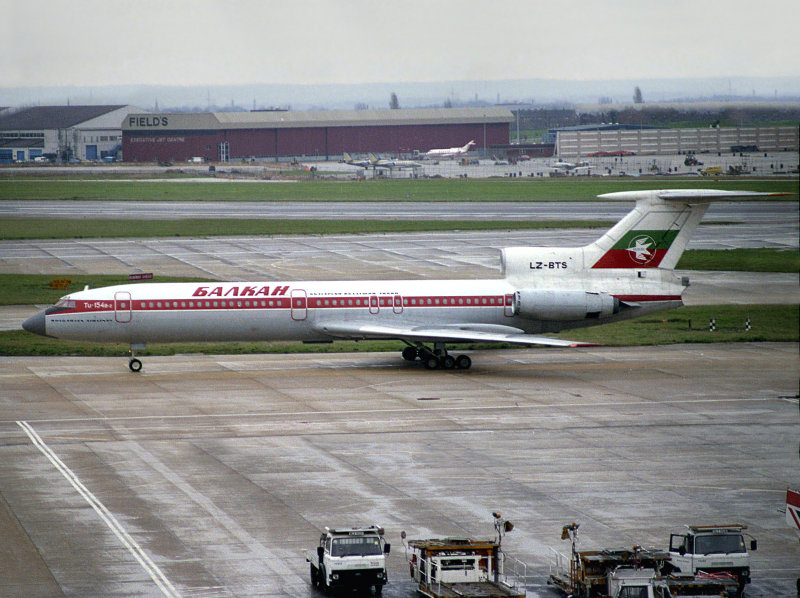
685, 195
450, 333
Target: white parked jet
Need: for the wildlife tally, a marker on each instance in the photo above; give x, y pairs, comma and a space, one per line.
450, 152
391, 163
561, 165
628, 272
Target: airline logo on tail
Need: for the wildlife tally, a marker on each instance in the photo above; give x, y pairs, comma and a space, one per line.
638, 249
641, 249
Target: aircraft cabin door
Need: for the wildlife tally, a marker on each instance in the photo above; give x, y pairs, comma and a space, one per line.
374, 305
122, 307
299, 304
397, 304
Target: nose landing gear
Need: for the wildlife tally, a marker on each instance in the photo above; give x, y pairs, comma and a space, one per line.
436, 358
134, 364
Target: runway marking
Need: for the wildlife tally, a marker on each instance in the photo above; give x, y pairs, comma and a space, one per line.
108, 518
420, 410
267, 556
722, 488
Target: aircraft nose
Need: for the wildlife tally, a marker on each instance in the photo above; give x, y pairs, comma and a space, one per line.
36, 324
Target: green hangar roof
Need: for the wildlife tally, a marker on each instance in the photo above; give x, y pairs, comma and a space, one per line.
319, 118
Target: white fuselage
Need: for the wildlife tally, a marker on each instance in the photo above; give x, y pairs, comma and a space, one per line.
171, 312
259, 311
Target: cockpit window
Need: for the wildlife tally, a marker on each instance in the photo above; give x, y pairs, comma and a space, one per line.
65, 303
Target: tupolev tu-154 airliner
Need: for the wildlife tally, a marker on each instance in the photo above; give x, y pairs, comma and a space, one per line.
626, 273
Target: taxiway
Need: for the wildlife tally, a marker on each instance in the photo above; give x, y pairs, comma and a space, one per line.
210, 475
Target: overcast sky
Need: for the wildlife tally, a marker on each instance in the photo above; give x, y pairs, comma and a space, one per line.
204, 42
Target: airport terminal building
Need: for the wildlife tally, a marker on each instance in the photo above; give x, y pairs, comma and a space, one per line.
325, 134
582, 141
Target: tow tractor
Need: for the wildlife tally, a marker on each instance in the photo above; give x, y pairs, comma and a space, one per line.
628, 573
464, 567
352, 557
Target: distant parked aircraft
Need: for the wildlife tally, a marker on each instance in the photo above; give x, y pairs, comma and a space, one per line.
391, 163
450, 152
561, 165
348, 159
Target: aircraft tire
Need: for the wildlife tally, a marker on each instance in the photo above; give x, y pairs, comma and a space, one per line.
463, 362
448, 362
410, 353
431, 362
135, 365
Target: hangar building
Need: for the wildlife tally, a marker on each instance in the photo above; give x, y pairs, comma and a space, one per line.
61, 133
275, 135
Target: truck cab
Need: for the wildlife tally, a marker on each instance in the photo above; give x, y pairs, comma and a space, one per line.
626, 582
712, 549
352, 557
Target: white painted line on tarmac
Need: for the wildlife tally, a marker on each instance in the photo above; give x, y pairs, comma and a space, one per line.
412, 410
108, 518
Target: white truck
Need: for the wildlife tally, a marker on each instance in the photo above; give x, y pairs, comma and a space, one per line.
712, 549
349, 557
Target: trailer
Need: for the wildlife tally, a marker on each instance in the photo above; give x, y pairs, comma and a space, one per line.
463, 567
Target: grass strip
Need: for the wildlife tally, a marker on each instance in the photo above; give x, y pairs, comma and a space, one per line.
772, 323
28, 289
777, 323
399, 190
741, 260
15, 229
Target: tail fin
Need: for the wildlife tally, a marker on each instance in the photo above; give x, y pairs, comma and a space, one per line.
346, 157
469, 145
655, 233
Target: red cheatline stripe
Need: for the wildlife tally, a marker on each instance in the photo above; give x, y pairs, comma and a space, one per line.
318, 303
341, 302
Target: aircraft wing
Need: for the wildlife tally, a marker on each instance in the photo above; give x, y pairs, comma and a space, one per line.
447, 334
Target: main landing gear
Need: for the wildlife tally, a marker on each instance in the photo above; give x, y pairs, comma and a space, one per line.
436, 358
